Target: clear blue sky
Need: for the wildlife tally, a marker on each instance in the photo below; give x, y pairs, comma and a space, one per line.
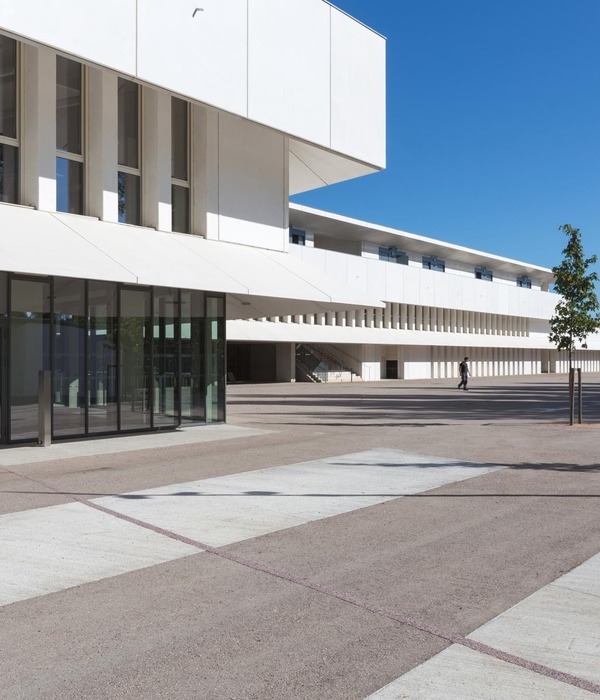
493, 136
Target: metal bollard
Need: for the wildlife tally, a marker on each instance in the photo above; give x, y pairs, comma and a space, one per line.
44, 408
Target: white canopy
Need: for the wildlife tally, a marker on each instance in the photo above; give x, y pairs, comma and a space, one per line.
257, 282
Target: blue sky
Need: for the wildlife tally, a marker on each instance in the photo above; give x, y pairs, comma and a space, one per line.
493, 114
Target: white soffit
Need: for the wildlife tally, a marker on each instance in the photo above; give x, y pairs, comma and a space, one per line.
312, 167
345, 228
258, 282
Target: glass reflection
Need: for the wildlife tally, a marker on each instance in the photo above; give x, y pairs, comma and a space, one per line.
128, 111
29, 353
68, 336
69, 186
102, 357
193, 408
135, 337
165, 357
68, 105
215, 353
128, 194
180, 202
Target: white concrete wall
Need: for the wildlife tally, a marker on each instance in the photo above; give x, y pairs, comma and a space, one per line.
251, 192
101, 32
357, 90
414, 285
289, 85
301, 67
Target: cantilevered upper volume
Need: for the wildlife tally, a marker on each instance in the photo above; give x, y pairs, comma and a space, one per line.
301, 67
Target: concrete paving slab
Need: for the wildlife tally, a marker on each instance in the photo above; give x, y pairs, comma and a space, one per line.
584, 578
49, 549
14, 456
458, 673
452, 558
54, 548
230, 509
557, 626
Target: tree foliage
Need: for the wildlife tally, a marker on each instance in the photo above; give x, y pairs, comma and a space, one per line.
577, 314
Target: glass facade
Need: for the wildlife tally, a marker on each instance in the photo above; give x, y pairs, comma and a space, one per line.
29, 332
123, 358
102, 357
68, 355
216, 362
193, 357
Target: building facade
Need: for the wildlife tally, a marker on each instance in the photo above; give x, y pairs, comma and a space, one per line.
442, 302
147, 154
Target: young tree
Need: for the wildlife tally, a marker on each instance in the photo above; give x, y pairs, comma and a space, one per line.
577, 313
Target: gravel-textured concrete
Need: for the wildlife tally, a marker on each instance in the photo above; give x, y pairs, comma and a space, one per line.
452, 558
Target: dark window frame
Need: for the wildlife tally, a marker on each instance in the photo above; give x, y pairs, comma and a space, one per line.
432, 262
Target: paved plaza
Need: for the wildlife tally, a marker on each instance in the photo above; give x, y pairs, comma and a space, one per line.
384, 540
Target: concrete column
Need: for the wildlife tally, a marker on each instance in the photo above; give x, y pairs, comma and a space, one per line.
102, 155
38, 134
285, 362
387, 315
378, 318
156, 159
403, 317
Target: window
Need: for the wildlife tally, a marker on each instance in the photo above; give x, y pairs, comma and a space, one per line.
297, 236
391, 254
430, 262
9, 144
524, 282
129, 175
69, 136
482, 273
180, 166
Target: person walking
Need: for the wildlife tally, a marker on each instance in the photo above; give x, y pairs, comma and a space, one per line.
463, 370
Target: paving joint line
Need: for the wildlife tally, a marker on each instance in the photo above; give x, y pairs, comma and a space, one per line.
450, 637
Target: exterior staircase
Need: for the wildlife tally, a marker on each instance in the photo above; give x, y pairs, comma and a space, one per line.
314, 363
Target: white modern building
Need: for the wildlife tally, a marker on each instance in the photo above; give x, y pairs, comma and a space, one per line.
442, 302
147, 154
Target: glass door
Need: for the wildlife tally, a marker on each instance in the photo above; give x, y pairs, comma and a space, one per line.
29, 352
